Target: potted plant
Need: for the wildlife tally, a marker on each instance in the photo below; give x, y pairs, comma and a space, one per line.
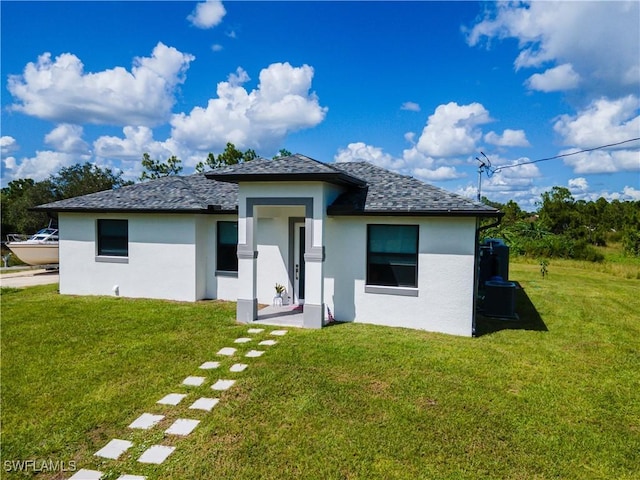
279, 290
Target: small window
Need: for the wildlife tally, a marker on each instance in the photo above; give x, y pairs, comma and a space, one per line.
227, 248
392, 255
113, 238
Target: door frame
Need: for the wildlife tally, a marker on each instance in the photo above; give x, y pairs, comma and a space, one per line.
295, 223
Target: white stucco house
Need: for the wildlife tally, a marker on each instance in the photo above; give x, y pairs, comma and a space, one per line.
364, 243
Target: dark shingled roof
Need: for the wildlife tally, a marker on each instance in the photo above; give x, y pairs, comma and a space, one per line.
389, 193
370, 190
290, 168
173, 194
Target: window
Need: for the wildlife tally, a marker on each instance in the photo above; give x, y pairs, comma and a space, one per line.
227, 248
113, 238
392, 255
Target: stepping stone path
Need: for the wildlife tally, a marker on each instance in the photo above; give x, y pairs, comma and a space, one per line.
204, 404
223, 385
209, 365
172, 399
193, 381
156, 454
114, 449
146, 421
238, 367
85, 474
228, 351
182, 427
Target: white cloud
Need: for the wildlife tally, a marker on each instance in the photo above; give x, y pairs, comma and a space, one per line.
412, 162
44, 164
8, 145
67, 139
452, 130
509, 138
361, 152
260, 119
136, 141
207, 14
603, 161
602, 122
555, 79
599, 39
411, 106
62, 92
579, 184
216, 47
631, 193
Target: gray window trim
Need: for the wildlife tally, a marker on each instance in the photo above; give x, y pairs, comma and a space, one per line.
400, 291
111, 259
224, 273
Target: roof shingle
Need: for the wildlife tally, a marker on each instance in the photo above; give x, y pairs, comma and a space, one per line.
370, 190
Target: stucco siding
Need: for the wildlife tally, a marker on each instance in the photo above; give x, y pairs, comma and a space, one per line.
446, 258
160, 263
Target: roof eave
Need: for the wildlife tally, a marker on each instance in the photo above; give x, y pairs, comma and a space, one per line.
414, 213
214, 211
336, 178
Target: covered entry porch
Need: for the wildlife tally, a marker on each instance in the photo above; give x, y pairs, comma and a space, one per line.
280, 242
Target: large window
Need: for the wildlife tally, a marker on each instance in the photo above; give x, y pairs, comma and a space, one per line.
227, 248
392, 255
113, 238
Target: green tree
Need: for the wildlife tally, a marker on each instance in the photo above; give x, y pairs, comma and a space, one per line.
283, 152
156, 168
230, 156
17, 198
557, 212
82, 179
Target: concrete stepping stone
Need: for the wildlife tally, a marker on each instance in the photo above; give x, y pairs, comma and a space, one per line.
254, 353
114, 449
223, 385
203, 403
182, 426
209, 365
146, 421
228, 351
156, 454
255, 330
193, 381
172, 399
238, 367
131, 477
242, 340
85, 474
279, 333
268, 342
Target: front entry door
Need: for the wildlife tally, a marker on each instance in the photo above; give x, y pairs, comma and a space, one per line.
298, 260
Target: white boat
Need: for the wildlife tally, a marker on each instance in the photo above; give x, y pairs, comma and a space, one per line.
38, 249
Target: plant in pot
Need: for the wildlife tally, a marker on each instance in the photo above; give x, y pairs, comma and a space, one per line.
279, 290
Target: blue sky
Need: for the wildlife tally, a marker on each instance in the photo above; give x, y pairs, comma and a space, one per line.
417, 87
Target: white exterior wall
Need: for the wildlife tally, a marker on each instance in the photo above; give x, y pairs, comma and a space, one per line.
446, 264
170, 257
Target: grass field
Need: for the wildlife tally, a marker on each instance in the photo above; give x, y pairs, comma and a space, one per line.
554, 396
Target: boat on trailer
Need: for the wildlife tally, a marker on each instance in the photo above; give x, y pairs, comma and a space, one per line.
40, 248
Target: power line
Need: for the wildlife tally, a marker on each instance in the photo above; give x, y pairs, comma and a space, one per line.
491, 171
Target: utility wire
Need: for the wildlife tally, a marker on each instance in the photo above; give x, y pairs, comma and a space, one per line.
490, 171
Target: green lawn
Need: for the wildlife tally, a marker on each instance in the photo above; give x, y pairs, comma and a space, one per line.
556, 395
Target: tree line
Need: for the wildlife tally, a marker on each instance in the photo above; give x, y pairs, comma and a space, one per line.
568, 228
19, 196
561, 227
